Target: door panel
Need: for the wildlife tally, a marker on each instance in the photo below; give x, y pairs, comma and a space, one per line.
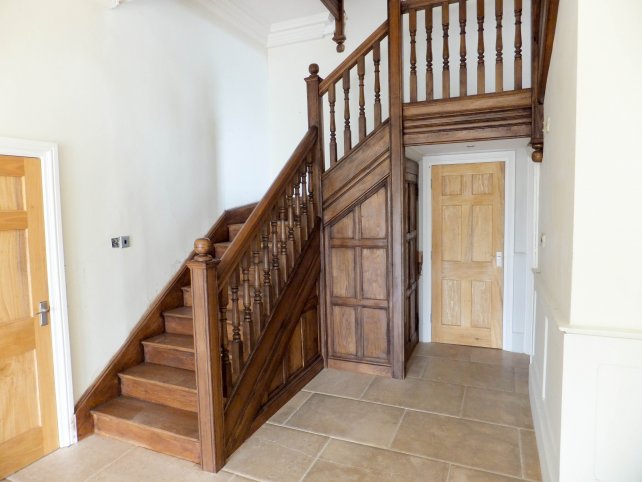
468, 232
411, 264
28, 428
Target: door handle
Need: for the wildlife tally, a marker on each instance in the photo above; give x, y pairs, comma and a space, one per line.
44, 313
499, 259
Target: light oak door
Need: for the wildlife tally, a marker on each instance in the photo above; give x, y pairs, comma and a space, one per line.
467, 253
28, 425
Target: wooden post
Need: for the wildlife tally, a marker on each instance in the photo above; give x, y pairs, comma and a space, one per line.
397, 165
207, 347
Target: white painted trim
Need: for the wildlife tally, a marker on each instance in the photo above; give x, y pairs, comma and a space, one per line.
47, 152
239, 18
301, 29
546, 446
508, 157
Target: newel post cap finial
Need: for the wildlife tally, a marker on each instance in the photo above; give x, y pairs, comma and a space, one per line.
314, 70
203, 247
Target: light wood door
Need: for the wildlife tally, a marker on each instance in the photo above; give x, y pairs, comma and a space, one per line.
467, 253
28, 426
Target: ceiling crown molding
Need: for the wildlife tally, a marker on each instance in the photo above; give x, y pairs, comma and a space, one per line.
239, 18
300, 30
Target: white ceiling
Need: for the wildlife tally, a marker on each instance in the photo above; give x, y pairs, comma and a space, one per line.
276, 11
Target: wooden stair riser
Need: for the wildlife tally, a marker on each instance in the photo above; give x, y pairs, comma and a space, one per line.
187, 296
179, 325
160, 393
161, 436
168, 356
233, 230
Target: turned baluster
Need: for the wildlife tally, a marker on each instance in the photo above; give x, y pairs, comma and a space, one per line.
237, 343
376, 57
347, 132
332, 100
518, 44
283, 241
292, 253
499, 47
311, 204
225, 343
481, 69
361, 73
257, 307
305, 227
412, 22
463, 71
267, 278
276, 264
429, 73
445, 23
249, 333
296, 201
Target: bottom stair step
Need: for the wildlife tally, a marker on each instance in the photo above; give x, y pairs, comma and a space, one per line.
162, 429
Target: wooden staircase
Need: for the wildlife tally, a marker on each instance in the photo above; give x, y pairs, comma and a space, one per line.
157, 407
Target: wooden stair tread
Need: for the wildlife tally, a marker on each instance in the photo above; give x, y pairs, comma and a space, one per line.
181, 312
172, 340
151, 415
161, 374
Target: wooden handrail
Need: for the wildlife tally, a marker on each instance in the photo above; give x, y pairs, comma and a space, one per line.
353, 58
250, 229
422, 4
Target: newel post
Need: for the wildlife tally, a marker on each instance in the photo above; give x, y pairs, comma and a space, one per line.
207, 348
315, 119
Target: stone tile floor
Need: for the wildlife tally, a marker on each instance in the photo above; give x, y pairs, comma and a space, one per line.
461, 415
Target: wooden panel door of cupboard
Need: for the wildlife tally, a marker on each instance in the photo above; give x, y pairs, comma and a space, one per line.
467, 253
411, 265
28, 425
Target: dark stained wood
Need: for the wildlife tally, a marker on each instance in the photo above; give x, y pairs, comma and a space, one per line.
463, 71
499, 47
347, 132
445, 75
337, 74
430, 81
411, 300
473, 118
207, 347
337, 10
376, 58
481, 70
408, 5
361, 72
332, 100
151, 323
412, 22
397, 168
518, 44
246, 400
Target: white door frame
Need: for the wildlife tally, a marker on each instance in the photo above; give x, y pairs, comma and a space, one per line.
47, 152
508, 158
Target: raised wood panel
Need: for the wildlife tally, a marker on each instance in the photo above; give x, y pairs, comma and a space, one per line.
481, 301
344, 229
374, 265
372, 210
451, 302
344, 330
11, 194
343, 272
375, 328
411, 265
482, 235
452, 233
19, 386
14, 283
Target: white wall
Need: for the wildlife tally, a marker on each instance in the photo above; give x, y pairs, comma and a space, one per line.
288, 66
160, 113
586, 375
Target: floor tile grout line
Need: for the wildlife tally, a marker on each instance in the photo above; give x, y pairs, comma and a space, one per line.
402, 452
367, 387
394, 435
297, 408
450, 466
327, 442
463, 401
432, 412
521, 457
109, 464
